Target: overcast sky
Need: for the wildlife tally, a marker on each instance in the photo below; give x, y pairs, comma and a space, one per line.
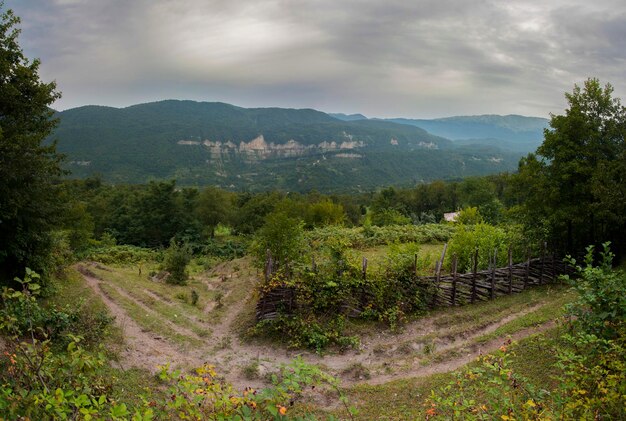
382, 58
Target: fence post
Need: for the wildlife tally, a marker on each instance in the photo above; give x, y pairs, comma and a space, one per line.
510, 270
364, 268
454, 263
475, 269
527, 274
268, 264
492, 291
440, 263
543, 261
415, 265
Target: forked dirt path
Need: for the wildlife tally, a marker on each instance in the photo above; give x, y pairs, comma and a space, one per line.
232, 356
142, 348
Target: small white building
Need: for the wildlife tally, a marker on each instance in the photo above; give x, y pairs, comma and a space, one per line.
450, 216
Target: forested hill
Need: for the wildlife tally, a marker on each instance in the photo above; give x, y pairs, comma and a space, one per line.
512, 132
201, 143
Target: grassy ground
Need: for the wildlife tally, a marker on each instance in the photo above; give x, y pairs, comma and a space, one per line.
406, 399
151, 303
166, 310
124, 384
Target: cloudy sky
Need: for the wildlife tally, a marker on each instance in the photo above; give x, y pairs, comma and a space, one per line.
383, 58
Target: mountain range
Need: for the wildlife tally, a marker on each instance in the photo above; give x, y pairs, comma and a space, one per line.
510, 132
201, 143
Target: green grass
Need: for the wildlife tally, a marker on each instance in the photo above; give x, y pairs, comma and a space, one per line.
72, 292
548, 312
406, 399
167, 304
148, 320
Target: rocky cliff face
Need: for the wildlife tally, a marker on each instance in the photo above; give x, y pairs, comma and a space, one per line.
258, 148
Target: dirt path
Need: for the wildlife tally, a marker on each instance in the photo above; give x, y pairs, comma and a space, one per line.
233, 358
143, 349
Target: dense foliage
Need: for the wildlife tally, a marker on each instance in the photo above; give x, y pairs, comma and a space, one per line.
572, 189
29, 201
490, 243
335, 289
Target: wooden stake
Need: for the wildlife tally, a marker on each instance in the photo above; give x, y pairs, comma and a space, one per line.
527, 269
492, 290
454, 263
364, 268
510, 270
474, 271
543, 258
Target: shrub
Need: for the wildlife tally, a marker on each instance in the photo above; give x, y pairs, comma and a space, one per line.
283, 236
469, 216
483, 238
194, 297
122, 255
177, 257
600, 309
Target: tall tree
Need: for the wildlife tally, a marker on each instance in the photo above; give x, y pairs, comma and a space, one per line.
28, 168
582, 149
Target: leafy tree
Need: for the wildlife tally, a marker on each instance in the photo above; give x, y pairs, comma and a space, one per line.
381, 217
283, 236
325, 212
177, 257
214, 207
156, 215
582, 148
28, 167
469, 216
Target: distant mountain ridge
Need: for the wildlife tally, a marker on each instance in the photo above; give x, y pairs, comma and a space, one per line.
260, 148
348, 117
509, 127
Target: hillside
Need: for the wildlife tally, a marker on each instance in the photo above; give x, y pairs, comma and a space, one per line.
201, 143
511, 132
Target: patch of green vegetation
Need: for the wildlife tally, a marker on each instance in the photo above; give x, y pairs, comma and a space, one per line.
145, 290
551, 311
148, 319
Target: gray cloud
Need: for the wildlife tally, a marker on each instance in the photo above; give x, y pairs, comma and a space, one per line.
394, 58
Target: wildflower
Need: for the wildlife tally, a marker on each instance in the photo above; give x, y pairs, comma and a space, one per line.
282, 410
503, 348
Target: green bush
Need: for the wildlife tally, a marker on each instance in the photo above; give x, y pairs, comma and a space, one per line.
283, 236
369, 236
485, 239
469, 216
176, 259
123, 255
601, 305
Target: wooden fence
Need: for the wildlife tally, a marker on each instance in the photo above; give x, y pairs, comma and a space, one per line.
446, 290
